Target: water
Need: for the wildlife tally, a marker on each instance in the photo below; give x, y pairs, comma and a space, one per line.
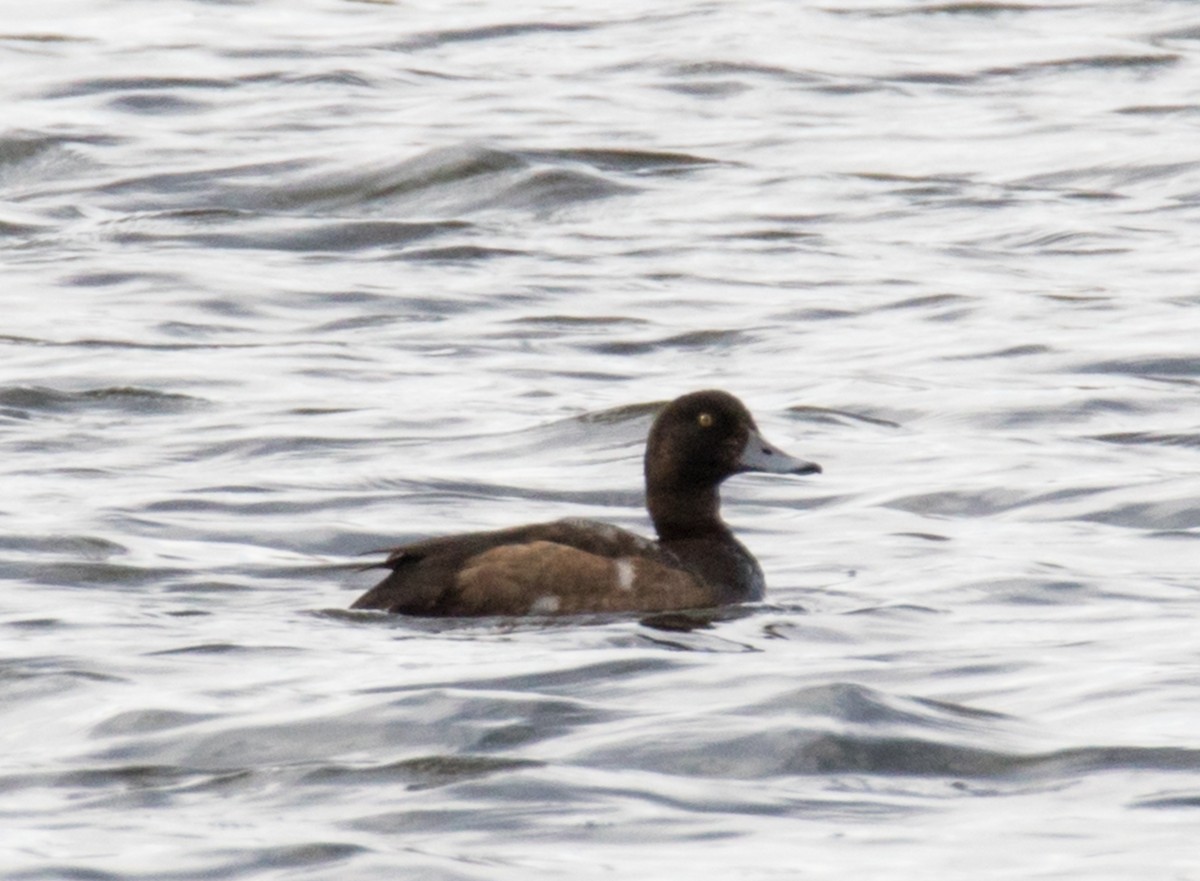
285, 283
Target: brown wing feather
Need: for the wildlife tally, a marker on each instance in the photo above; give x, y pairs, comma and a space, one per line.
545, 577
564, 567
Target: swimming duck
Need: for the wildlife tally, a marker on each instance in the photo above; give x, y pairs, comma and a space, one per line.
575, 566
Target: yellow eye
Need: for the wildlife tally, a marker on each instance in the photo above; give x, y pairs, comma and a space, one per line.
705, 420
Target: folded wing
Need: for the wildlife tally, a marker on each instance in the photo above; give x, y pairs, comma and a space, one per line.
564, 567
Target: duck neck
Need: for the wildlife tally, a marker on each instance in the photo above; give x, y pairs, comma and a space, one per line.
686, 512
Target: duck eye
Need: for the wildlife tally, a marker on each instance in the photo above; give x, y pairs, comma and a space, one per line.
705, 420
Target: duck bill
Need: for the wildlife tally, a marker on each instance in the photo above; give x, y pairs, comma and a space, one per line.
759, 455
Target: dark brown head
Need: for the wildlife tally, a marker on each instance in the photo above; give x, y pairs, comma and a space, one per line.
696, 442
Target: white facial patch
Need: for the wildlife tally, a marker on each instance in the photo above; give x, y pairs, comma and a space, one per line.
545, 605
625, 573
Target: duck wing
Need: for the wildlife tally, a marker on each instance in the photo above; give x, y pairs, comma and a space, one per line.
563, 567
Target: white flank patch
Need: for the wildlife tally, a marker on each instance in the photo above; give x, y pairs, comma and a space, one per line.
625, 573
547, 605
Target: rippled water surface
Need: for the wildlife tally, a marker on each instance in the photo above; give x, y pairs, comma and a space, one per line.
284, 283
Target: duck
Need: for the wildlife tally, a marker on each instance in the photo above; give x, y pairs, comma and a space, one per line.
578, 566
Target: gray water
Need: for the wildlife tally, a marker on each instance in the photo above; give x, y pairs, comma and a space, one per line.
284, 283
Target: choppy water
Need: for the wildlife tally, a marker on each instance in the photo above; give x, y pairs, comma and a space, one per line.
284, 283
